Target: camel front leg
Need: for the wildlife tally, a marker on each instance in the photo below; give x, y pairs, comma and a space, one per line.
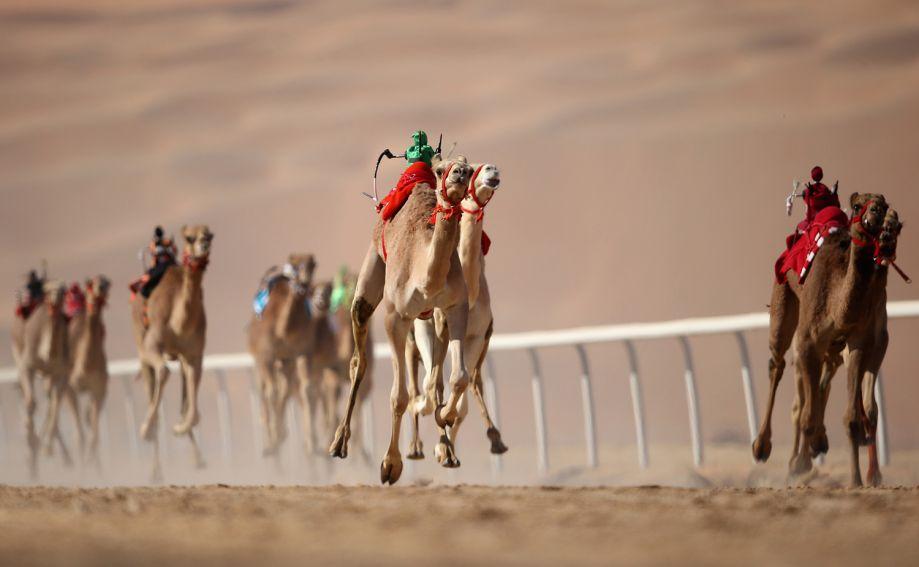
265, 373
808, 366
70, 396
478, 352
191, 366
53, 412
158, 382
853, 419
27, 383
869, 384
367, 295
412, 359
150, 383
783, 319
457, 317
309, 390
330, 393
95, 409
396, 329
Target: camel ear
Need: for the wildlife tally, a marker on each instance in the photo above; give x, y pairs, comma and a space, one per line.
436, 160
852, 201
439, 168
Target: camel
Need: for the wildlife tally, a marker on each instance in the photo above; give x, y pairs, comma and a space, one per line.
88, 363
886, 253
420, 273
484, 183
171, 325
279, 340
331, 354
833, 306
40, 348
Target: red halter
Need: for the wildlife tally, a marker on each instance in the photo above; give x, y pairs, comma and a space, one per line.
194, 264
450, 210
479, 213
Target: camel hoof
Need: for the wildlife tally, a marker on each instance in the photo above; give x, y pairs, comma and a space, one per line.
874, 477
446, 455
416, 451
339, 447
762, 448
148, 431
497, 446
820, 445
799, 466
390, 471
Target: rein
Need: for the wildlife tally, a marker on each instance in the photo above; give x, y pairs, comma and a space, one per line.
879, 258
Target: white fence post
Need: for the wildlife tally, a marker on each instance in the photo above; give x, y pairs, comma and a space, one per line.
692, 400
539, 411
638, 407
587, 403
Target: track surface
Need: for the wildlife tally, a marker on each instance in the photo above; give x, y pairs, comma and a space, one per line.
453, 525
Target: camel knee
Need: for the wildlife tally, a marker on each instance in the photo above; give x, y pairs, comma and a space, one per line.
459, 381
399, 403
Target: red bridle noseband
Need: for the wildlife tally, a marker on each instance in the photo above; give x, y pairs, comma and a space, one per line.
479, 213
448, 211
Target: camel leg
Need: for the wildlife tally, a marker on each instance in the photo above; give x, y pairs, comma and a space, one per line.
876, 358
367, 295
820, 443
160, 375
412, 359
191, 367
150, 382
497, 445
310, 390
27, 383
49, 428
265, 373
330, 393
396, 329
95, 409
782, 322
457, 318
854, 419
70, 396
808, 367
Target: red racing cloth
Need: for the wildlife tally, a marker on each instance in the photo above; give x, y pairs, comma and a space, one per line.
418, 172
74, 301
803, 247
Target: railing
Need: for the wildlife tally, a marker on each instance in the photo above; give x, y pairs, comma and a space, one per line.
576, 338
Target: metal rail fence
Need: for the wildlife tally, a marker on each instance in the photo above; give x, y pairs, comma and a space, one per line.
532, 342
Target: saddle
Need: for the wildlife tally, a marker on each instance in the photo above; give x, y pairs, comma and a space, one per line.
803, 245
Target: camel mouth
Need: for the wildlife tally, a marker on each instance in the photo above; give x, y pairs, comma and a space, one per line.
492, 182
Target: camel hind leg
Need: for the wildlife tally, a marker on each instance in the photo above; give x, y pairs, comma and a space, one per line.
494, 436
367, 295
808, 366
186, 369
412, 360
27, 384
457, 320
876, 358
150, 434
783, 319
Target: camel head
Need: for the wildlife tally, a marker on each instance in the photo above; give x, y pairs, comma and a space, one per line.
96, 292
197, 242
452, 179
55, 293
868, 211
890, 233
482, 186
299, 269
322, 297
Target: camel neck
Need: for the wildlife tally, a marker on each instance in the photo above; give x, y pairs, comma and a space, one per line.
440, 250
191, 299
293, 310
470, 253
861, 272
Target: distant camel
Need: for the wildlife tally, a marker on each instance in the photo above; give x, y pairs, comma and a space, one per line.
40, 348
279, 340
88, 363
832, 306
175, 330
482, 187
412, 262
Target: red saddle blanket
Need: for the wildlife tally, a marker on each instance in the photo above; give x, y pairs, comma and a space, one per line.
802, 246
418, 172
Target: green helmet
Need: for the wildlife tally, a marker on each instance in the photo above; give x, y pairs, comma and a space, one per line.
420, 151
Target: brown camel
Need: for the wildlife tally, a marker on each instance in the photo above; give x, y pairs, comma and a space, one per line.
421, 273
88, 363
484, 183
832, 307
40, 348
174, 329
886, 253
331, 354
279, 340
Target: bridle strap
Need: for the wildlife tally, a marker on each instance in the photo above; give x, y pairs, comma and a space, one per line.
479, 213
448, 211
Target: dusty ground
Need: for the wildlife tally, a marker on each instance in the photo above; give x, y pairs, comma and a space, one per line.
466, 524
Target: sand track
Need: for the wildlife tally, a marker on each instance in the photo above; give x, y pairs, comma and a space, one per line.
452, 525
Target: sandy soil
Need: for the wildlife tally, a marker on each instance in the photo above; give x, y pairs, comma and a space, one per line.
466, 524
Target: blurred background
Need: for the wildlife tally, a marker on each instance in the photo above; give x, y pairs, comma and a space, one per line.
646, 148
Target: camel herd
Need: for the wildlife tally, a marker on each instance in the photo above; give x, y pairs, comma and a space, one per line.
425, 267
